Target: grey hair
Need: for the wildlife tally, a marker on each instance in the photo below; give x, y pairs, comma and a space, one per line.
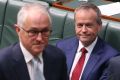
24, 11
88, 6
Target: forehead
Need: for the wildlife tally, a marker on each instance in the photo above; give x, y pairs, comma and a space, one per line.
37, 14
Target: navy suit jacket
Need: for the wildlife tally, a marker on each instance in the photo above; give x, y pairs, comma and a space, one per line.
97, 62
13, 66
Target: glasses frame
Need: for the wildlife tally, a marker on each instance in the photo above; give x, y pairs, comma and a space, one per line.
32, 33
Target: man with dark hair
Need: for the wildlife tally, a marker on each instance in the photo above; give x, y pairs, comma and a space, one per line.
87, 55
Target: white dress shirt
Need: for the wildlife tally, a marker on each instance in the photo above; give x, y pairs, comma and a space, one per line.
28, 57
78, 55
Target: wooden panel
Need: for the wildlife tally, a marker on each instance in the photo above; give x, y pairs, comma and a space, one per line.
61, 6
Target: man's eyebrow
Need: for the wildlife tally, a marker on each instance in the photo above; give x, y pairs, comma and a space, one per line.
33, 28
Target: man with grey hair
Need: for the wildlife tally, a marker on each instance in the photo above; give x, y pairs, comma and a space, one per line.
87, 55
33, 58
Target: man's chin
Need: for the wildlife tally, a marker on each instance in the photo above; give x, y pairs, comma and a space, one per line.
38, 49
84, 40
37, 52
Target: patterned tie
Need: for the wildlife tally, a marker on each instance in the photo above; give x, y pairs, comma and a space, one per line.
38, 75
78, 68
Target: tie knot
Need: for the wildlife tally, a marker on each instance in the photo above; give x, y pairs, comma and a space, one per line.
83, 50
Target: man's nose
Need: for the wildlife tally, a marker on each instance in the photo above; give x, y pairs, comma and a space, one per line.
84, 28
39, 36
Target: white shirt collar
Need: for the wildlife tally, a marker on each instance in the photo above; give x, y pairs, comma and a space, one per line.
89, 48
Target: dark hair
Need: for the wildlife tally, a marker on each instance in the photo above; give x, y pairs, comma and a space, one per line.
91, 6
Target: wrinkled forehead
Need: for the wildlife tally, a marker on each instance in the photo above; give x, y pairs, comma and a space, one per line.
37, 14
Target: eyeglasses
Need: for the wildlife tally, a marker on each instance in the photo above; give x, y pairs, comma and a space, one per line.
34, 33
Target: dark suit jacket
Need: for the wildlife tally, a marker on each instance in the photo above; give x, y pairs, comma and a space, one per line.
114, 69
13, 66
97, 62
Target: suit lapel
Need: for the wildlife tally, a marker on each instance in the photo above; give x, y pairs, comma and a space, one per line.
19, 64
93, 60
46, 65
71, 51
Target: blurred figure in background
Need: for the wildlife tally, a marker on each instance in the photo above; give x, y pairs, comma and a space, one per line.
114, 69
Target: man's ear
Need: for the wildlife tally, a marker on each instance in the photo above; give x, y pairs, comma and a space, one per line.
17, 29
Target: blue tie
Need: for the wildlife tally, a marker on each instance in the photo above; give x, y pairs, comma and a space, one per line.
38, 75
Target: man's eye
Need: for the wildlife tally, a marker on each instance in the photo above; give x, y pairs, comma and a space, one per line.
45, 30
34, 32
